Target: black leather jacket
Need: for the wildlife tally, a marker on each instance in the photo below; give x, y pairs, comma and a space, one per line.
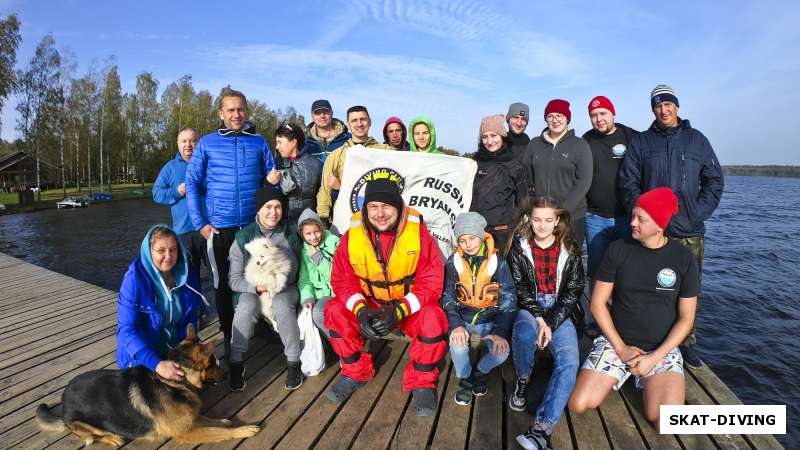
570, 289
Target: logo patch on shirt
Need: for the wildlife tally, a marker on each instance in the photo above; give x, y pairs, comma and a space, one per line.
667, 278
618, 150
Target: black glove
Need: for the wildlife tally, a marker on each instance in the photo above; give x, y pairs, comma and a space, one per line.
386, 317
364, 320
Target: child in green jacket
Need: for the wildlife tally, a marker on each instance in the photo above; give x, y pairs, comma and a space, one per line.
315, 265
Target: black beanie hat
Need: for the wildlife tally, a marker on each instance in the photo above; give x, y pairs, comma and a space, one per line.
266, 194
383, 190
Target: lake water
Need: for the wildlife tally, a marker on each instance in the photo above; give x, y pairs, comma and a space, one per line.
748, 319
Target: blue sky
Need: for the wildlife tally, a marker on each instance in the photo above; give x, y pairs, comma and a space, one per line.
735, 65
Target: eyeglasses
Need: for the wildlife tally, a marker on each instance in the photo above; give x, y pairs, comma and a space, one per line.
555, 117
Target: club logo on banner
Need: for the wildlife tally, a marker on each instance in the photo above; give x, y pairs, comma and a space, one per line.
357, 193
438, 186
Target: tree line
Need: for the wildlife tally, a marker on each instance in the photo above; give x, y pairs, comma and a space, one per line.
84, 131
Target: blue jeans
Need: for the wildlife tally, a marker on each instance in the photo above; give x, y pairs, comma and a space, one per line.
460, 354
563, 348
600, 232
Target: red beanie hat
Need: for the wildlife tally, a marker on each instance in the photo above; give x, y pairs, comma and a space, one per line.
558, 106
660, 203
601, 102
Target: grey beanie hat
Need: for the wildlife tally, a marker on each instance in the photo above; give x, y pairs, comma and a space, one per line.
518, 109
470, 223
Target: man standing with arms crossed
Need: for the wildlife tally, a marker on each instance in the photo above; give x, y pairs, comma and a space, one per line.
227, 168
673, 154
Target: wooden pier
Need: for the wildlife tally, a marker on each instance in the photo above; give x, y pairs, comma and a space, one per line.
53, 328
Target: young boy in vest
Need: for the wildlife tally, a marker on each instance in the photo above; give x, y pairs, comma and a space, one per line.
479, 297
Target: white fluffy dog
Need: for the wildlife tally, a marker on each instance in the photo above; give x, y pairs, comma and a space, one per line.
269, 266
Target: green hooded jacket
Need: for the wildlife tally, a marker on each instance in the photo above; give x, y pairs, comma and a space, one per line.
429, 123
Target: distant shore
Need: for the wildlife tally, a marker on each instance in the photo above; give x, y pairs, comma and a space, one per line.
763, 171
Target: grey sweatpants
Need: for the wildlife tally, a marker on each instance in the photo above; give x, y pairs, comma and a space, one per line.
247, 314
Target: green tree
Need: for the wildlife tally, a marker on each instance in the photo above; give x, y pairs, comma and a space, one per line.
39, 88
111, 126
9, 42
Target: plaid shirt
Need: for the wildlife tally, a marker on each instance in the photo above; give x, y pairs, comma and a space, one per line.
545, 265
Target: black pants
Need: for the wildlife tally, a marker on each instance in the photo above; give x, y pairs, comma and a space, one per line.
195, 246
223, 296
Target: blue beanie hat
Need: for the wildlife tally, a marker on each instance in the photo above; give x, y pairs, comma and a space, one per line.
663, 93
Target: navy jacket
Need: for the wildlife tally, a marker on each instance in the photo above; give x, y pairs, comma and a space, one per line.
165, 192
227, 168
682, 159
501, 316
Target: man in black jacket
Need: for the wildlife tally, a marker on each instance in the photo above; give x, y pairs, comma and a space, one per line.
671, 153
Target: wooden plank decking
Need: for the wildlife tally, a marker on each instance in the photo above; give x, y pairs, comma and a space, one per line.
53, 327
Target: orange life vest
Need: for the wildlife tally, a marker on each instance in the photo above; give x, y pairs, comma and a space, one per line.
394, 278
477, 290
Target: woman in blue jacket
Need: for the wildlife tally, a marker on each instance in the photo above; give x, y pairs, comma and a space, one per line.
158, 298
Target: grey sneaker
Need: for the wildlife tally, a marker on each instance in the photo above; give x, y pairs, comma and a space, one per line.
343, 388
518, 399
534, 440
424, 402
464, 393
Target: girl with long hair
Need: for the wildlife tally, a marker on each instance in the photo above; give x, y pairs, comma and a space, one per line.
546, 265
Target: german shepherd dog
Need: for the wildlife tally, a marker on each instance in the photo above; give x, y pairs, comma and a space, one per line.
112, 406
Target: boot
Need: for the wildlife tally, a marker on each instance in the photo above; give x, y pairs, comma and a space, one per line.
294, 376
424, 402
343, 388
236, 381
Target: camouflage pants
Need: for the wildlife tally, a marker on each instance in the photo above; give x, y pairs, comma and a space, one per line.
697, 246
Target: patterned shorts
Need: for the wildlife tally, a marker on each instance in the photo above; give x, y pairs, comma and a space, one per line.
602, 358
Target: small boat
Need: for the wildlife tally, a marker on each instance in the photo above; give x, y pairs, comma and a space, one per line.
101, 196
72, 202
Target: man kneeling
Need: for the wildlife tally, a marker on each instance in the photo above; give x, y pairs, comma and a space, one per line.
655, 282
387, 273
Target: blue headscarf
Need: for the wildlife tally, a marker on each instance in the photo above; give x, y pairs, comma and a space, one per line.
167, 300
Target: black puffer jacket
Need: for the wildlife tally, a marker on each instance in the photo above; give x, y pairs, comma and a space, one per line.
570, 282
300, 180
501, 184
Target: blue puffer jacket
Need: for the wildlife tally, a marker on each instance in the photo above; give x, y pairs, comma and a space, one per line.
165, 192
141, 324
227, 168
682, 159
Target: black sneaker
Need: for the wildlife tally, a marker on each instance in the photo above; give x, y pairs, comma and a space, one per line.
690, 356
236, 381
343, 388
294, 376
424, 402
518, 398
534, 440
479, 386
464, 393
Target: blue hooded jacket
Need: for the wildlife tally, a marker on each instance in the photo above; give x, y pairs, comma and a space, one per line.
682, 159
150, 317
226, 170
165, 192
